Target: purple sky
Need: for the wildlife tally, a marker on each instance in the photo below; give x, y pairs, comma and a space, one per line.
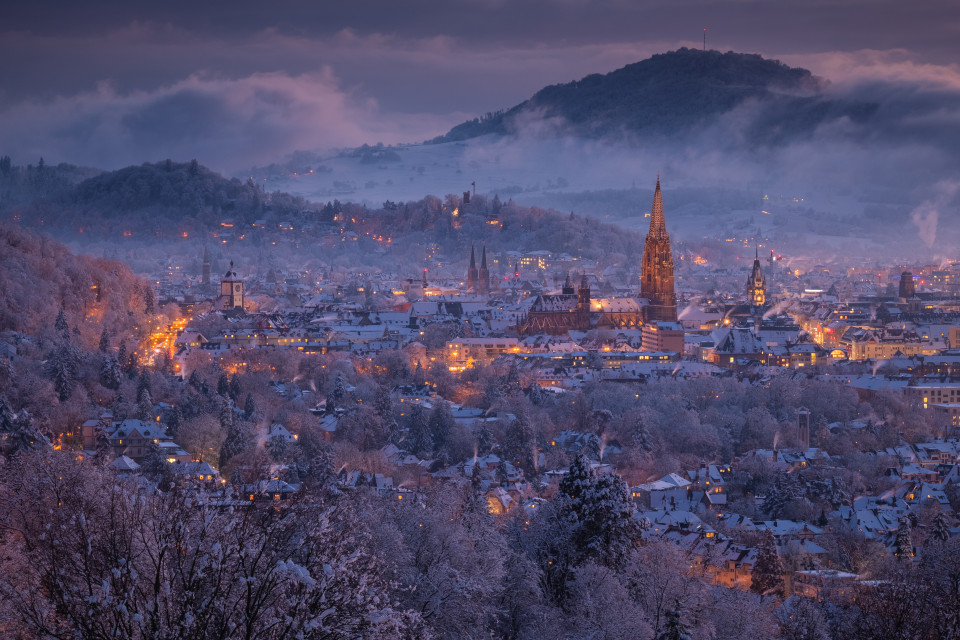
109, 83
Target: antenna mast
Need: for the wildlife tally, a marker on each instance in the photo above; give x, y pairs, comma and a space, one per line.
704, 38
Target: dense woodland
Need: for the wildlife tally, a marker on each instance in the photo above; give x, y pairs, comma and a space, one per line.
157, 210
673, 93
85, 554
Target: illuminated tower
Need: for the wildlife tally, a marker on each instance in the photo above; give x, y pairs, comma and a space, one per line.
484, 274
656, 270
756, 286
472, 274
907, 287
231, 290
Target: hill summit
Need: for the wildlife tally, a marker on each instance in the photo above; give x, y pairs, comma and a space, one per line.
674, 93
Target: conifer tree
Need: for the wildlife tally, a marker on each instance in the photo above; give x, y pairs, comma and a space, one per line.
110, 375
767, 575
940, 528
421, 439
903, 542
674, 629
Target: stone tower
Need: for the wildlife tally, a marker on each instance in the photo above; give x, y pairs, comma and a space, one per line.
483, 275
756, 285
231, 290
656, 270
907, 288
472, 274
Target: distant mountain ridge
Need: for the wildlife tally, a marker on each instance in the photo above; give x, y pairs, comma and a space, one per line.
676, 93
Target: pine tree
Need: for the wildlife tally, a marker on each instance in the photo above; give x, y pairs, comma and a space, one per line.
419, 377
63, 330
235, 389
535, 394
145, 406
223, 385
578, 479
673, 628
122, 356
519, 445
940, 528
903, 543
767, 575
237, 440
104, 341
441, 422
62, 368
226, 415
421, 439
339, 387
277, 448
484, 439
641, 436
383, 403
249, 408
779, 497
17, 431
175, 422
103, 451
110, 376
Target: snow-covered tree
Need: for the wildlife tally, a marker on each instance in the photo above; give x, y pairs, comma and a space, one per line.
62, 368
17, 431
420, 442
940, 528
674, 628
61, 326
110, 375
100, 558
441, 422
903, 542
766, 578
801, 618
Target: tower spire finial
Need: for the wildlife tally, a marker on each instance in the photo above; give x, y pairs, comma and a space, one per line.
658, 225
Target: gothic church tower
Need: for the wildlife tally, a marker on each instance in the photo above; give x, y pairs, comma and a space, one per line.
656, 270
756, 285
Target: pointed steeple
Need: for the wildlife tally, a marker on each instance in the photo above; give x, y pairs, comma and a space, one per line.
656, 270
472, 274
658, 225
484, 274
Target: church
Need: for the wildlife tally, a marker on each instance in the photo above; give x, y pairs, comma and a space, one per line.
576, 309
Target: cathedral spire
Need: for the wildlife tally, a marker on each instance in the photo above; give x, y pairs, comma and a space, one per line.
656, 268
658, 226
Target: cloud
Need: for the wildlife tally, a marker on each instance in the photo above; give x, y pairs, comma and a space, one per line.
226, 123
927, 214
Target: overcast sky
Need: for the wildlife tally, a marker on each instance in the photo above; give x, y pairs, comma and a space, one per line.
109, 83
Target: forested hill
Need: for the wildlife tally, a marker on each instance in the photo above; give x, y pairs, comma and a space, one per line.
180, 202
676, 93
40, 277
166, 189
146, 196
